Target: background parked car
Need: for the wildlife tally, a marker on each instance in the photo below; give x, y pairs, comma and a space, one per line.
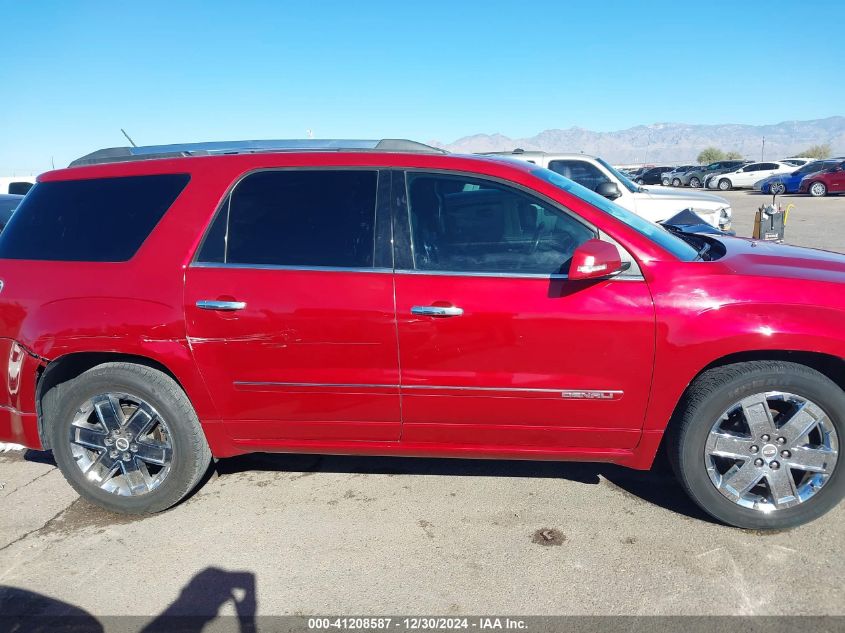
652, 203
673, 177
652, 176
789, 183
746, 175
8, 204
696, 177
798, 161
831, 180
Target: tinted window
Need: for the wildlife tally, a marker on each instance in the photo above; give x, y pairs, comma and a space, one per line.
769, 166
97, 220
470, 225
297, 218
584, 173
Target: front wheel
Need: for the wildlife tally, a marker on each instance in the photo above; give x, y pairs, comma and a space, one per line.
724, 184
818, 190
126, 437
640, 181
666, 182
695, 182
756, 444
778, 188
676, 182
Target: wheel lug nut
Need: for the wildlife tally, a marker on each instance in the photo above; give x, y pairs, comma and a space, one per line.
781, 440
765, 438
133, 448
758, 462
127, 457
785, 454
754, 448
113, 454
774, 465
108, 441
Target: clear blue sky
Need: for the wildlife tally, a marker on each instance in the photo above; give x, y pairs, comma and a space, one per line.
72, 73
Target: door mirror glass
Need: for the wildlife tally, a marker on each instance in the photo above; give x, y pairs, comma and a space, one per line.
609, 190
594, 259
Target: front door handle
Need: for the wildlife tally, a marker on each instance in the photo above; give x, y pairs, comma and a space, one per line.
437, 311
224, 306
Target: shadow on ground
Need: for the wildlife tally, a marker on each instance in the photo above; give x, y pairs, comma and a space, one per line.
197, 605
657, 486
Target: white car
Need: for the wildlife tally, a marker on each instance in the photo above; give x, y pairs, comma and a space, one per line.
747, 175
654, 203
798, 161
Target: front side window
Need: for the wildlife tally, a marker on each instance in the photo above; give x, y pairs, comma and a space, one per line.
468, 225
308, 218
93, 220
584, 173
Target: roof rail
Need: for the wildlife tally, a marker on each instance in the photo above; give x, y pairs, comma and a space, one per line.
214, 148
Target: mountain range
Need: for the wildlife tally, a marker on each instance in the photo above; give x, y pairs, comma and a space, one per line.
670, 142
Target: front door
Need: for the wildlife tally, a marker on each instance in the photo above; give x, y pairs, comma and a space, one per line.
289, 312
497, 347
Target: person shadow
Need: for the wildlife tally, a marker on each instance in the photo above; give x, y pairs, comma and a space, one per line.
197, 605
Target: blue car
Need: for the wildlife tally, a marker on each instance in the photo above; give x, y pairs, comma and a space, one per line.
788, 183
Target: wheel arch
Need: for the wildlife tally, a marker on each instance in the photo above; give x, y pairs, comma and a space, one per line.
829, 365
70, 365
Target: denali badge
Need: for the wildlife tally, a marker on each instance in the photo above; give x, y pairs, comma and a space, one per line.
592, 395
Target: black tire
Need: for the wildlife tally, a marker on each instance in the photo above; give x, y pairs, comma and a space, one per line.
705, 401
640, 181
191, 455
725, 184
695, 182
778, 188
665, 182
676, 182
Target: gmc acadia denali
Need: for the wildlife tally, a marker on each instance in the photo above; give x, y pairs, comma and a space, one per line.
164, 305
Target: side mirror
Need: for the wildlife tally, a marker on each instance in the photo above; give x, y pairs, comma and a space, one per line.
609, 190
594, 259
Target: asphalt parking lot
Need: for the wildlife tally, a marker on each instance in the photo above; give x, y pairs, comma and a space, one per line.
315, 535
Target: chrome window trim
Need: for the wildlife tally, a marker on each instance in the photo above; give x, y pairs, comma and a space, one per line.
333, 269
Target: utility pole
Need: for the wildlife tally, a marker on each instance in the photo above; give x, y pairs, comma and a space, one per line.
763, 150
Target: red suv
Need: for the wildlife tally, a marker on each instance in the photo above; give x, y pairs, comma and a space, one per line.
161, 306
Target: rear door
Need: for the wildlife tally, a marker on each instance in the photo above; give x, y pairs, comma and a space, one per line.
289, 308
837, 179
497, 347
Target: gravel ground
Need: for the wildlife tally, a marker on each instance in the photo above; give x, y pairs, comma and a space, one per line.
306, 535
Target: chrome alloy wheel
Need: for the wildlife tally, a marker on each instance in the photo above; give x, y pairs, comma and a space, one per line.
771, 451
121, 444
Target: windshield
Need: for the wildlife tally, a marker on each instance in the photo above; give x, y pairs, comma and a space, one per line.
630, 186
656, 233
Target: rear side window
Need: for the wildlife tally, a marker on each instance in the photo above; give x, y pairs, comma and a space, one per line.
584, 173
319, 218
97, 220
20, 188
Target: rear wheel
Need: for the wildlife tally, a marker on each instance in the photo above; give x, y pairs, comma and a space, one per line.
666, 182
676, 182
126, 437
818, 190
695, 182
757, 443
640, 181
725, 184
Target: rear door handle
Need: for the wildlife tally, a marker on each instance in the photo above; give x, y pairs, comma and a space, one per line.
437, 311
224, 306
